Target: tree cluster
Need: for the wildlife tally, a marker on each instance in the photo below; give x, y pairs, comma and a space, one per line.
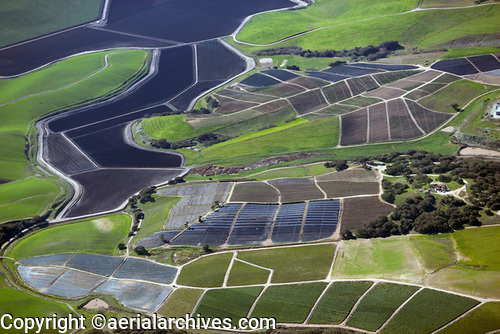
392, 189
369, 52
339, 165
10, 230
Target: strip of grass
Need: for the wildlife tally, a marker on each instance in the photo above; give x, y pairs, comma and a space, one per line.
484, 319
466, 52
294, 264
428, 311
294, 136
288, 303
338, 301
459, 92
181, 302
206, 272
436, 251
378, 258
43, 17
95, 236
245, 274
379, 304
228, 303
479, 247
23, 305
296, 171
155, 215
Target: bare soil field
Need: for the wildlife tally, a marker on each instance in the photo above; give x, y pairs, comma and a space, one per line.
258, 192
354, 128
385, 93
351, 174
245, 96
281, 90
228, 105
400, 122
336, 189
293, 190
308, 102
357, 211
378, 123
309, 83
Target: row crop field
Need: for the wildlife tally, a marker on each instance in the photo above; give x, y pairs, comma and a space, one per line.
358, 211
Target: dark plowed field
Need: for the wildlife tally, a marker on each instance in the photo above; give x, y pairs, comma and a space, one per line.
308, 102
456, 66
63, 154
400, 122
254, 192
354, 128
485, 63
358, 211
378, 123
228, 105
337, 92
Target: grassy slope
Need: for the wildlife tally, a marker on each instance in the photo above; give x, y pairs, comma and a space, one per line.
13, 161
94, 236
248, 148
270, 27
156, 214
378, 258
181, 302
417, 29
436, 251
25, 198
228, 303
25, 19
206, 272
293, 264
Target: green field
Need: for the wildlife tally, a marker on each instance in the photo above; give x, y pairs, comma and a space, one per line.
171, 128
436, 251
181, 302
465, 52
379, 304
25, 198
22, 305
427, 311
484, 319
288, 303
205, 272
421, 29
245, 274
270, 27
338, 301
459, 92
322, 133
479, 247
228, 303
13, 161
293, 264
94, 236
25, 19
17, 115
155, 215
378, 258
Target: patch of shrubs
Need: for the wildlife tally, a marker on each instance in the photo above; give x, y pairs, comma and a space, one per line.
10, 230
369, 52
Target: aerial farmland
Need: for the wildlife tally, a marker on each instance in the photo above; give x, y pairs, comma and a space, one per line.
247, 166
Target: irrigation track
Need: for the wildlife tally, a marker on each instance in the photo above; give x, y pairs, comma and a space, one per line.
351, 22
